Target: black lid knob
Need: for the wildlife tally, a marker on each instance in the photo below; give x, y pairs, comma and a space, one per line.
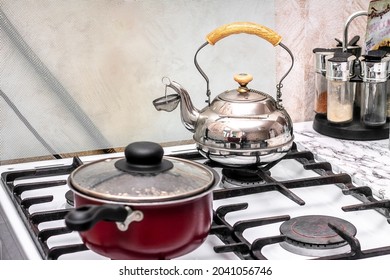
144, 157
375, 55
340, 57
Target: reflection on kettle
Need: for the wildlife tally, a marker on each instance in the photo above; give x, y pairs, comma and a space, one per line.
239, 127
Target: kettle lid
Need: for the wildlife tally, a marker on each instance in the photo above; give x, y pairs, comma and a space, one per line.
242, 93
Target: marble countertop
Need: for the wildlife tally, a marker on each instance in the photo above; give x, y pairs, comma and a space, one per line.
367, 162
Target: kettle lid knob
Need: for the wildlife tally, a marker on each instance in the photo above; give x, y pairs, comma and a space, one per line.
243, 79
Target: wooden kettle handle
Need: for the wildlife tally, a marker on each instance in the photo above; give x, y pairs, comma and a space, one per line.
243, 27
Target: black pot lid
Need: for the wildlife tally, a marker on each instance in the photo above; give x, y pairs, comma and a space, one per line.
144, 175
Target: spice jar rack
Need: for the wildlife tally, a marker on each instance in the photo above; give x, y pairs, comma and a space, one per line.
350, 131
331, 123
345, 82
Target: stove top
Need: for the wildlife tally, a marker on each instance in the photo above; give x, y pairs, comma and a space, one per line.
295, 208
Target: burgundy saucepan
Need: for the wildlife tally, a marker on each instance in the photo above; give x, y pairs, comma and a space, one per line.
143, 206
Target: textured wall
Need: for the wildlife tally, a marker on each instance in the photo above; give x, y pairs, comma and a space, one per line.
305, 25
110, 55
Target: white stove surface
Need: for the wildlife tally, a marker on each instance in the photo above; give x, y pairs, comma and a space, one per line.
372, 228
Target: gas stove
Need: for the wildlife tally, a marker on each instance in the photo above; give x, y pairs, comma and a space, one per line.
295, 208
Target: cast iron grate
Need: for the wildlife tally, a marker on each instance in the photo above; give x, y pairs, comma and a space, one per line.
231, 235
32, 221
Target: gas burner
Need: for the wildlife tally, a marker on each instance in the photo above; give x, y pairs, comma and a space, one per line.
69, 199
311, 235
238, 177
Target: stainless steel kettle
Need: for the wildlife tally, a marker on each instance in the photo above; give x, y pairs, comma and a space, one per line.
240, 126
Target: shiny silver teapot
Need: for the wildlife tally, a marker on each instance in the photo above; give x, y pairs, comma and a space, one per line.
240, 126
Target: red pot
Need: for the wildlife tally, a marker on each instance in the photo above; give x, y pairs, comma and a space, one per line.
144, 206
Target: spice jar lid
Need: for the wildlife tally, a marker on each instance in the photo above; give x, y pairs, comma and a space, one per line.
144, 175
319, 59
339, 66
375, 66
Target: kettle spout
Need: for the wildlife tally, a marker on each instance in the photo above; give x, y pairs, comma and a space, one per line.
189, 114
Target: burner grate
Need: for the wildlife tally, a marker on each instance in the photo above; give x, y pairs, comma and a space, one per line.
355, 252
232, 236
32, 221
235, 242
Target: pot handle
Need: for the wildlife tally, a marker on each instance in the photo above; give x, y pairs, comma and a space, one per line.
243, 27
85, 217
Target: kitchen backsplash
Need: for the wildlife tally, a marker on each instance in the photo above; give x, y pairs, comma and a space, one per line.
109, 57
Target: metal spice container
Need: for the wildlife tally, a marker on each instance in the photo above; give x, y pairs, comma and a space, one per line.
321, 84
388, 93
375, 67
340, 99
388, 97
